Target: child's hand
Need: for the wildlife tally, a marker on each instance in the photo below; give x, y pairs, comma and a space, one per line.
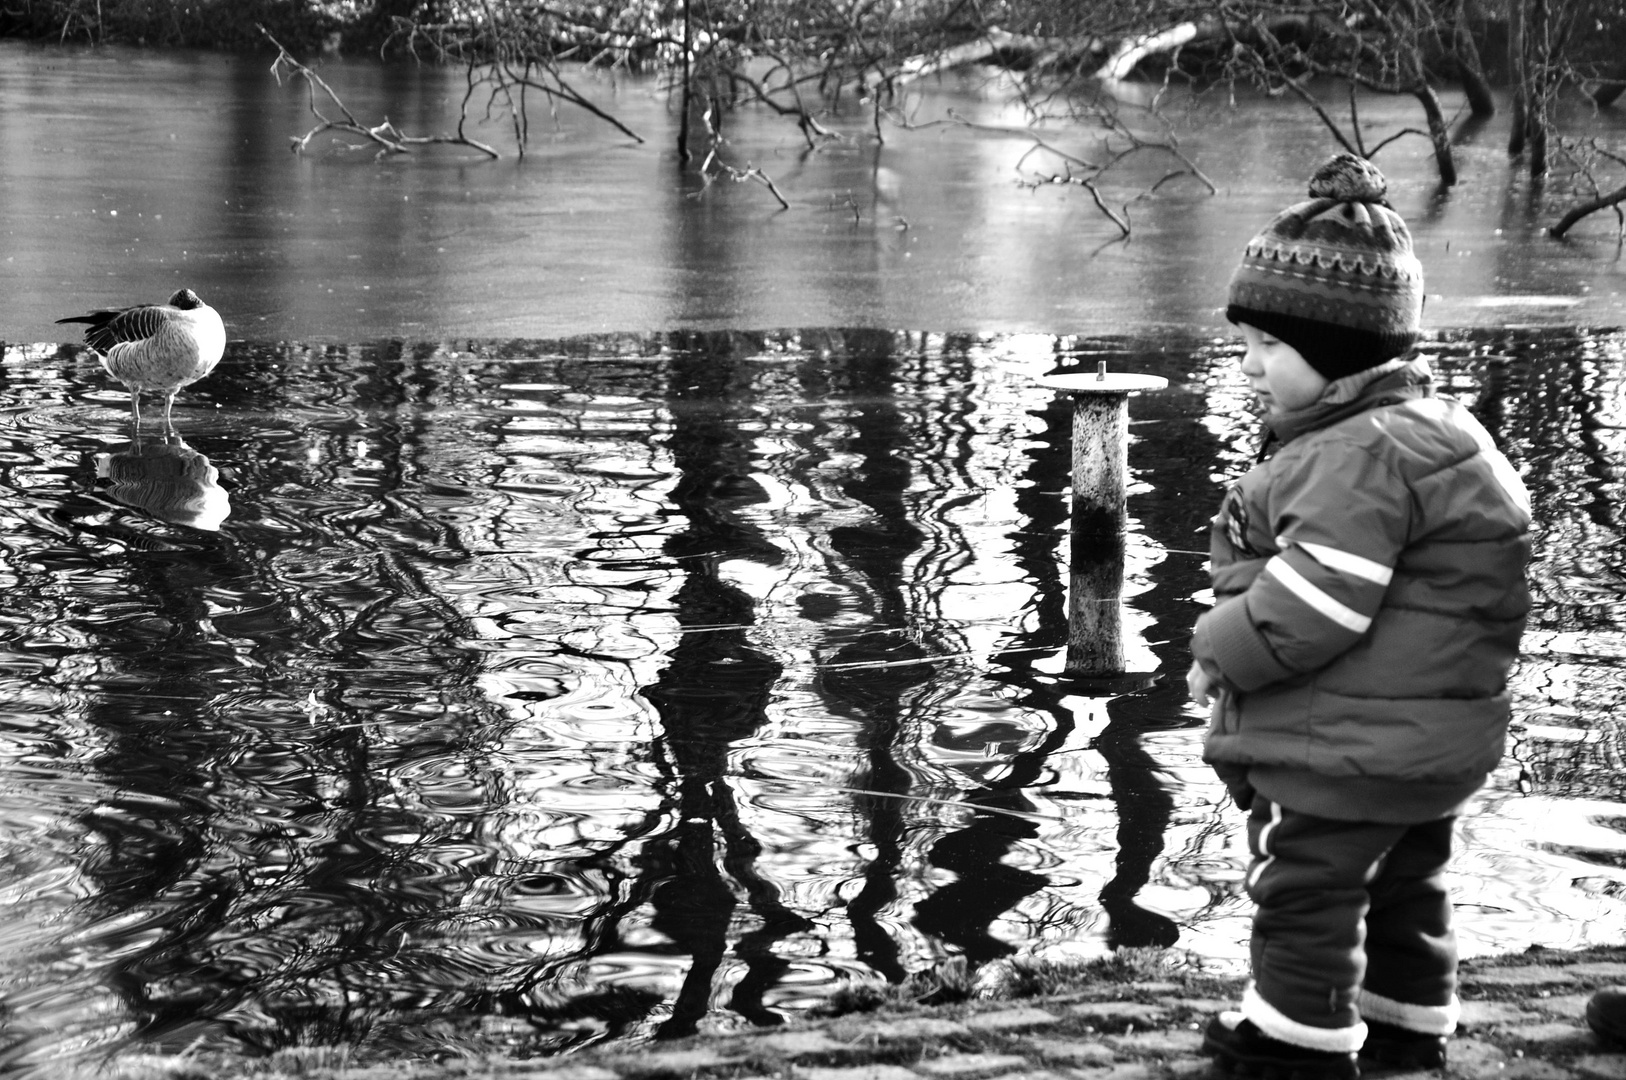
1202, 686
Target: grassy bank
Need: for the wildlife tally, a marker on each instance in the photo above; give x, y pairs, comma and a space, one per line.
1163, 997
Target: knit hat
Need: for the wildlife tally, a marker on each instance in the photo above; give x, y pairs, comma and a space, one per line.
1334, 277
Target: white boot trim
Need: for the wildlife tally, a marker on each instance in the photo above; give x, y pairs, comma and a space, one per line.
1273, 1022
1427, 1019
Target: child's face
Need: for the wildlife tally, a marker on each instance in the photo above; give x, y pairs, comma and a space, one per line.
1281, 377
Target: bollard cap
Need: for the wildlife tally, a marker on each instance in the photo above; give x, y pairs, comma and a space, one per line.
1103, 382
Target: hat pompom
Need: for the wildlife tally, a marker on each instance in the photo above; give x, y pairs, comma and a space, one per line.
1349, 178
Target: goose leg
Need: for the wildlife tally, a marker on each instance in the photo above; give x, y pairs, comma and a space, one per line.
169, 403
135, 409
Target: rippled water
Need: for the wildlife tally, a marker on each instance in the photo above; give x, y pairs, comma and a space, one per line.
534, 693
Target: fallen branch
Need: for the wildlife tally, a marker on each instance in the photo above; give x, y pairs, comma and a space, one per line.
812, 131
1602, 202
1041, 51
1584, 154
563, 91
1134, 50
1136, 146
389, 138
1122, 63
924, 64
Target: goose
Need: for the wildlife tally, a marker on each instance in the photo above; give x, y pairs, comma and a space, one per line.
160, 347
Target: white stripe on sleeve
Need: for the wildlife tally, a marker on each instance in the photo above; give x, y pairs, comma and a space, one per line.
1301, 587
1347, 562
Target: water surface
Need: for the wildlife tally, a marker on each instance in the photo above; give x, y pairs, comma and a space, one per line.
530, 694
126, 174
455, 680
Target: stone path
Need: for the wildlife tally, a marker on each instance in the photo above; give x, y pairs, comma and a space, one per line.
1518, 1023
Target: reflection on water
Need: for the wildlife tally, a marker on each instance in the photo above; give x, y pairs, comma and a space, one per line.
166, 478
531, 694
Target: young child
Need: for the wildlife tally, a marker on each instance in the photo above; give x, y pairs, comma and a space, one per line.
1369, 596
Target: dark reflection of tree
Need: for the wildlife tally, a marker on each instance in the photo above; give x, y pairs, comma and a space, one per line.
871, 679
159, 758
322, 870
985, 888
942, 447
713, 692
856, 375
962, 911
270, 875
1553, 402
1173, 510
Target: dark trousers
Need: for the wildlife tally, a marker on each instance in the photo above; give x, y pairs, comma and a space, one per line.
1352, 918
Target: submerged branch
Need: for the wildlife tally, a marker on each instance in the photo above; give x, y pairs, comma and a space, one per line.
1080, 172
738, 175
1603, 202
563, 91
1088, 184
1585, 154
715, 166
388, 137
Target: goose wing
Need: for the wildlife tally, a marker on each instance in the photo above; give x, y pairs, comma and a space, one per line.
111, 327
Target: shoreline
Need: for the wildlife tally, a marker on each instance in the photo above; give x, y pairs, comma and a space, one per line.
1139, 1018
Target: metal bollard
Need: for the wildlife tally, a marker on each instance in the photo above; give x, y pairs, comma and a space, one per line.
1100, 482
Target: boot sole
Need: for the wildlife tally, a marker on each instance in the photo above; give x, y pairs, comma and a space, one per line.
1403, 1058
1603, 1029
1232, 1063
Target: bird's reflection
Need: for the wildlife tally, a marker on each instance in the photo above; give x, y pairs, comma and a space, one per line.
167, 479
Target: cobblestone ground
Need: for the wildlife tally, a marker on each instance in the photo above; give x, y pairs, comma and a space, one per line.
1518, 1023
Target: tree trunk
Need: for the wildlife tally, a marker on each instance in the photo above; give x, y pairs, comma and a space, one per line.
1538, 83
1470, 70
687, 98
1439, 133
1517, 67
1533, 82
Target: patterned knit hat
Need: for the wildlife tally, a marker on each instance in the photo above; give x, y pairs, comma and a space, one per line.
1334, 277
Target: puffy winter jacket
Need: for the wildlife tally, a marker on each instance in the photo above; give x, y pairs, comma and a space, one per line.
1370, 594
